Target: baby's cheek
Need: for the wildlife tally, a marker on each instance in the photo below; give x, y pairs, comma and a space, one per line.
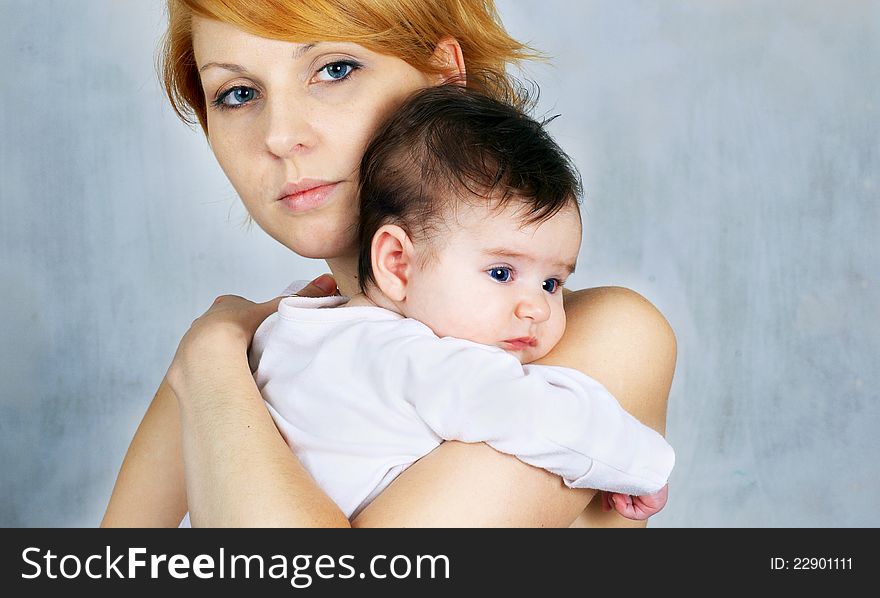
554, 334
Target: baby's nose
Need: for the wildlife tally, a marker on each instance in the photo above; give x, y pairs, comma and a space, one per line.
534, 307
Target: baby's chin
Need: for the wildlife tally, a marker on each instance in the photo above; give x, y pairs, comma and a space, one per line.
526, 356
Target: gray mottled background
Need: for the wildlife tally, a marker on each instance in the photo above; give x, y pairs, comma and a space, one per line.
730, 152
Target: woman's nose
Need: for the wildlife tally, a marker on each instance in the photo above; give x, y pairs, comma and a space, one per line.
289, 130
534, 306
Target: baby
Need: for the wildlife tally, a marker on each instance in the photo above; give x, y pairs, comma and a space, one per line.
469, 227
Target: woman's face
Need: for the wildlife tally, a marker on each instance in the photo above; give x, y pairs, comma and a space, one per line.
289, 123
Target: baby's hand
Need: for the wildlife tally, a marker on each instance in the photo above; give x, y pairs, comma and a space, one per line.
638, 508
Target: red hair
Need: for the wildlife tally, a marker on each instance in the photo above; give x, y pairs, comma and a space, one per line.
407, 29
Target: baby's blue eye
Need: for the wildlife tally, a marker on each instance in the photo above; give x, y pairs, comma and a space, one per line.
500, 274
336, 71
237, 96
550, 285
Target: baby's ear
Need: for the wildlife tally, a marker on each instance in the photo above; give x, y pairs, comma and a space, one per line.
392, 254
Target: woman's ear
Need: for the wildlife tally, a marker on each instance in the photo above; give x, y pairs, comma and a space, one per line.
450, 59
392, 255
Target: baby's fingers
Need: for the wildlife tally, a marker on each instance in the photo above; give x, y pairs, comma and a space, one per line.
623, 504
657, 500
640, 508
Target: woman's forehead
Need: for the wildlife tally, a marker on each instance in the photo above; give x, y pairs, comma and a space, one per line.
211, 35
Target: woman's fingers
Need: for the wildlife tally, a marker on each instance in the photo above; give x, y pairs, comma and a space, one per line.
322, 286
243, 317
266, 308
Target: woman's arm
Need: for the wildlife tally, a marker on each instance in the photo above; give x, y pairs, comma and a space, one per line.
209, 420
235, 452
239, 470
613, 335
149, 490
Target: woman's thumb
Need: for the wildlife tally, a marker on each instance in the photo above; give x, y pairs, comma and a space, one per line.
322, 286
269, 307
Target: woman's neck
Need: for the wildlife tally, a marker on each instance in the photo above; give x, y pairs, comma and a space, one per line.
344, 270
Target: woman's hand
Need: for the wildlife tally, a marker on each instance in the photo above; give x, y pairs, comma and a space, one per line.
238, 469
238, 462
226, 331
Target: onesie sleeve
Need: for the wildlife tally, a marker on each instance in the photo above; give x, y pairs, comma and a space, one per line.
550, 417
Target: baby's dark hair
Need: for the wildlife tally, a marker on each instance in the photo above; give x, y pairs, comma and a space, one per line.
449, 144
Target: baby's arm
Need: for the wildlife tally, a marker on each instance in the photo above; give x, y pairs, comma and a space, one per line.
550, 417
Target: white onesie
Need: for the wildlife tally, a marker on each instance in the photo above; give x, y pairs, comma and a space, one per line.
361, 393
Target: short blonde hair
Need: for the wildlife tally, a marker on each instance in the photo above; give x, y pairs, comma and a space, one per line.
406, 29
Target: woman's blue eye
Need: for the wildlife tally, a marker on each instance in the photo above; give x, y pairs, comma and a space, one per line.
500, 274
336, 71
235, 97
551, 285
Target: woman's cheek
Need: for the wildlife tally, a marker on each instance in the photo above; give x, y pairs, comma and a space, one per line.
348, 135
236, 160
373, 107
237, 173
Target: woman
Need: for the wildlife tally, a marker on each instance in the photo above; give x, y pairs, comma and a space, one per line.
288, 95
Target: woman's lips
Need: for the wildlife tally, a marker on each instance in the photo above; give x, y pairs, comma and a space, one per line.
303, 197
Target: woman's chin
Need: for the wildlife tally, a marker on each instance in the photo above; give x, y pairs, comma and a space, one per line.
313, 241
316, 247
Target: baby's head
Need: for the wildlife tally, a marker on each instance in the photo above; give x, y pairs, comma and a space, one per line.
469, 221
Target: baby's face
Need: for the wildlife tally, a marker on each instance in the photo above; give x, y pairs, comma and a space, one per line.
496, 281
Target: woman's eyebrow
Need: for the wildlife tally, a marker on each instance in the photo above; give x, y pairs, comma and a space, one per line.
303, 50
237, 68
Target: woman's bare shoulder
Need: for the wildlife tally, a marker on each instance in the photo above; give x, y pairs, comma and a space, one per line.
622, 340
617, 308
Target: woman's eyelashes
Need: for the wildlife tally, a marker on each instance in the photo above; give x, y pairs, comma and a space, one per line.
335, 72
235, 97
241, 95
